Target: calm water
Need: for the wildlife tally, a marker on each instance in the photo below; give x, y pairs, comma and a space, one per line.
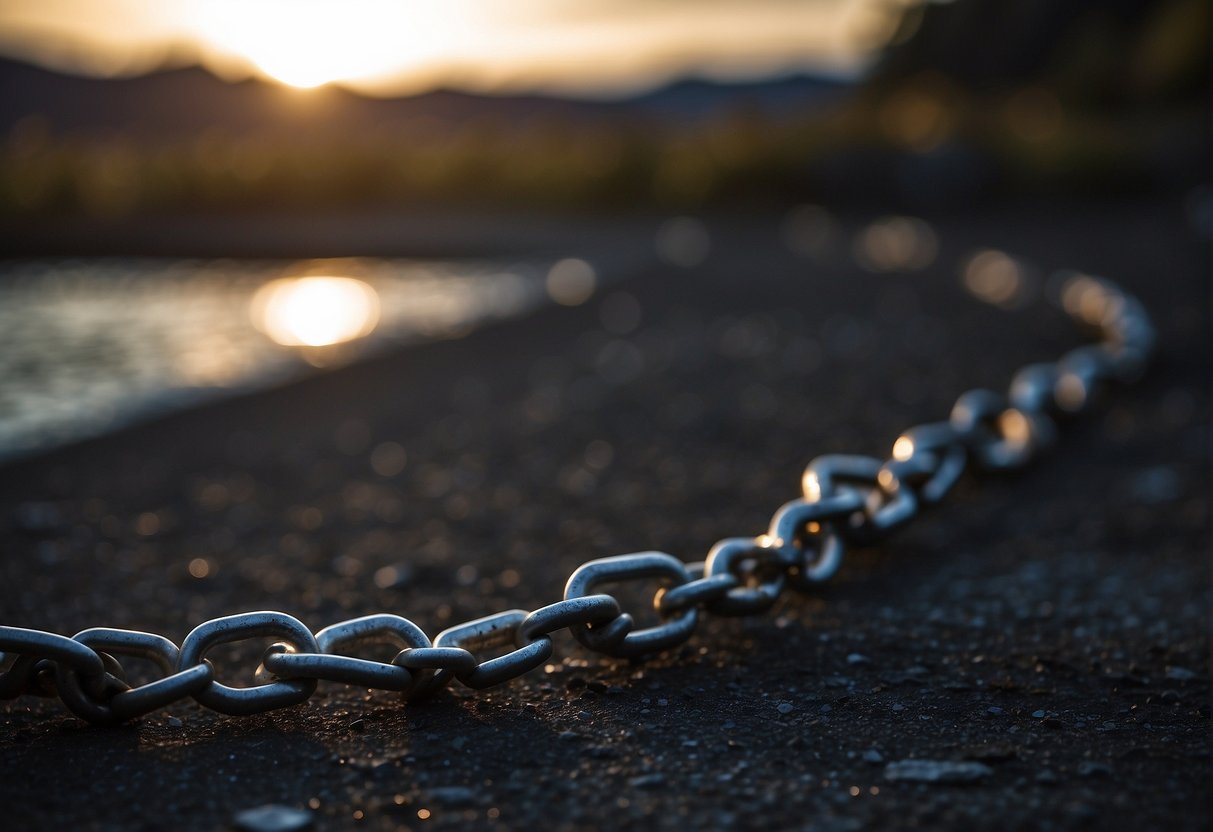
90, 345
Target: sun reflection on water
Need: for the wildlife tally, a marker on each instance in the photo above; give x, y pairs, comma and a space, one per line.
315, 311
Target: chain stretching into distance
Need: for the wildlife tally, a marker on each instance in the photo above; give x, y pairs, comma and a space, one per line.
848, 500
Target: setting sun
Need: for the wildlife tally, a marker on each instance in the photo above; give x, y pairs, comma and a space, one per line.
309, 43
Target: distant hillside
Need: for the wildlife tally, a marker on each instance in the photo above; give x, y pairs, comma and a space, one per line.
179, 102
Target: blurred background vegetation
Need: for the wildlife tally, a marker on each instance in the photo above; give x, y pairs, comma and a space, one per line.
968, 100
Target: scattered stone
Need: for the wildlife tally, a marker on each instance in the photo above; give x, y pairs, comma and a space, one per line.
1047, 777
1093, 769
1157, 485
585, 716
273, 818
647, 781
785, 708
873, 756
995, 710
858, 658
993, 752
1180, 674
1082, 812
936, 771
1038, 714
453, 795
567, 735
174, 722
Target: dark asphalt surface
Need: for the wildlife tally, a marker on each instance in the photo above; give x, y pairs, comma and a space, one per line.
1052, 625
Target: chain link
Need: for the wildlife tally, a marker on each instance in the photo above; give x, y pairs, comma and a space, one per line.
848, 499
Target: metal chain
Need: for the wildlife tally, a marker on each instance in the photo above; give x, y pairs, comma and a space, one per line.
848, 500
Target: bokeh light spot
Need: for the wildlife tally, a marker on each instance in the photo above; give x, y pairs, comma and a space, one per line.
315, 311
571, 282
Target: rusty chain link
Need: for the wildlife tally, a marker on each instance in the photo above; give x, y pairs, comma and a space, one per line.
848, 500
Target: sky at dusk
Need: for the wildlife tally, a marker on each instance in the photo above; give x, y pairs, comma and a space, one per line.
389, 47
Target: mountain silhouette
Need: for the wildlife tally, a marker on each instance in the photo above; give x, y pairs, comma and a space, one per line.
182, 102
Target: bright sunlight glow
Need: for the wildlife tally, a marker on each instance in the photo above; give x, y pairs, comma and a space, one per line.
405, 47
309, 43
315, 311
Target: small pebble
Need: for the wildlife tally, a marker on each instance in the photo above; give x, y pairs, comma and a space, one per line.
858, 658
785, 707
995, 710
273, 818
453, 795
1093, 769
173, 722
1180, 674
936, 771
1082, 812
647, 781
1157, 485
1038, 714
585, 716
873, 756
1047, 778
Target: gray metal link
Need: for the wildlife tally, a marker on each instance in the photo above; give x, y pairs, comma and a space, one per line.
1080, 372
949, 456
847, 498
622, 640
280, 663
126, 702
694, 593
759, 570
882, 512
496, 630
806, 534
1034, 388
333, 665
999, 436
244, 701
37, 644
587, 610
455, 659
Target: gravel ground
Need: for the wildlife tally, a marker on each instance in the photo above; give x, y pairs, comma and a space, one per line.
1032, 654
